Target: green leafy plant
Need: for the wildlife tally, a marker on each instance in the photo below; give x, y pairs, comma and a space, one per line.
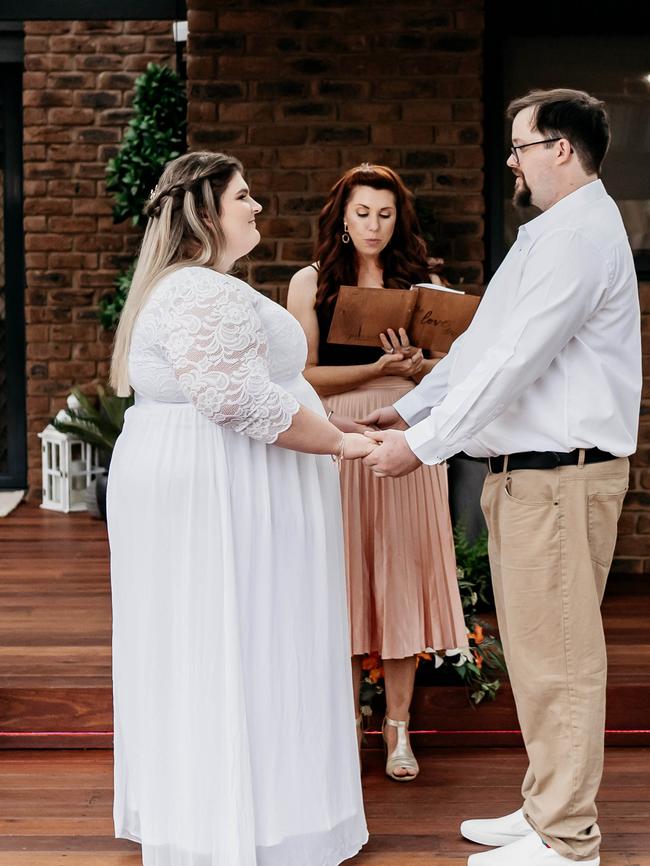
111, 306
154, 136
473, 569
480, 665
97, 423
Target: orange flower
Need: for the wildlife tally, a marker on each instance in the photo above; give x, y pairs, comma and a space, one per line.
376, 674
370, 662
477, 634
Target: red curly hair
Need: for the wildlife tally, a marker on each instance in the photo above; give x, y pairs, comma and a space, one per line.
404, 259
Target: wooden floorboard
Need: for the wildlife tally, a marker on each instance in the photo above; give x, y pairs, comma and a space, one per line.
55, 667
55, 807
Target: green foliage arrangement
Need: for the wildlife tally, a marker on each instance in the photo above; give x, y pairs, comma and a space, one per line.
111, 306
480, 665
480, 668
97, 423
155, 135
473, 571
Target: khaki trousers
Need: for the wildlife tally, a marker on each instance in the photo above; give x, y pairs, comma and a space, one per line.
552, 534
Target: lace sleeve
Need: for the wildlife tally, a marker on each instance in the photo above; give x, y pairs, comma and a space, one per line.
214, 341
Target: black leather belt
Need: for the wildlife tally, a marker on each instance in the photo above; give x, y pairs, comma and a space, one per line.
547, 459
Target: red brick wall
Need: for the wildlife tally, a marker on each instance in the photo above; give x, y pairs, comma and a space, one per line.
302, 92
78, 85
633, 547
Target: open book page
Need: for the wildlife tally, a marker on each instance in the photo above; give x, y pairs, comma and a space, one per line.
440, 316
361, 314
438, 287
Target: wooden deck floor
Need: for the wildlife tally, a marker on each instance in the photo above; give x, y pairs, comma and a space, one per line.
55, 675
55, 807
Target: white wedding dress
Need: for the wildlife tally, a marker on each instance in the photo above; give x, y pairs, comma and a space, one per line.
235, 742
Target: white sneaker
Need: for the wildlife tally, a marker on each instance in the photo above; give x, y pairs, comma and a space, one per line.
497, 831
528, 851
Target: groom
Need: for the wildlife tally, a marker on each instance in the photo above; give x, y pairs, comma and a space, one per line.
546, 384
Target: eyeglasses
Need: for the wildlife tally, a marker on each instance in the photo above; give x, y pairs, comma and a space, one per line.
515, 147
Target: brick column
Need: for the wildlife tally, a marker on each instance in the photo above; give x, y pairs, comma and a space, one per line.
78, 86
633, 546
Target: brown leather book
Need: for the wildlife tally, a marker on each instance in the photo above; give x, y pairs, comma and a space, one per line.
433, 316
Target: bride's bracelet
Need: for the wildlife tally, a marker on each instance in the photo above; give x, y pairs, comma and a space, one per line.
340, 455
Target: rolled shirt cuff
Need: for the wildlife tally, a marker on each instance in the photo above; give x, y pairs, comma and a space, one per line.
427, 449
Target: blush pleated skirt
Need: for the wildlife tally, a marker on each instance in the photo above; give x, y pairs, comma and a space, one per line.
401, 567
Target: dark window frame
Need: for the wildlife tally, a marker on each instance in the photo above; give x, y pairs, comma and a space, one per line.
11, 86
91, 10
504, 20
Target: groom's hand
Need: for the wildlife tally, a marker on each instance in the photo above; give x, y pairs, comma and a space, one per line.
386, 418
393, 457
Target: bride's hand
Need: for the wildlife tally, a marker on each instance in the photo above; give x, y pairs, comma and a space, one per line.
356, 445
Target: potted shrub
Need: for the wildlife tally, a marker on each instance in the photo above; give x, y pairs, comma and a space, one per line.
98, 424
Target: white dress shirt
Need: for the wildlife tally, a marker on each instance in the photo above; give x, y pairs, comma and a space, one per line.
552, 358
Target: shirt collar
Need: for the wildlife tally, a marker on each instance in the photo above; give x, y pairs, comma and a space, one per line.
555, 215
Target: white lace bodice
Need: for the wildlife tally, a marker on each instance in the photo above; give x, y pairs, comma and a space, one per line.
210, 339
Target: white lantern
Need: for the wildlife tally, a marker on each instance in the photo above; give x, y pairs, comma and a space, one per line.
69, 466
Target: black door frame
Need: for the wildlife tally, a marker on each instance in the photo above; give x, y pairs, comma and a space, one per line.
91, 10
12, 125
503, 19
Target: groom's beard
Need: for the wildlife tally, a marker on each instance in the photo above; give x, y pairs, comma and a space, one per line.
522, 195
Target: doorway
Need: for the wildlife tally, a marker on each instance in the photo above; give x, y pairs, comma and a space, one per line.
13, 452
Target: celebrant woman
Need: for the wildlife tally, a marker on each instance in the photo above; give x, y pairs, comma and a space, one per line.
402, 586
226, 557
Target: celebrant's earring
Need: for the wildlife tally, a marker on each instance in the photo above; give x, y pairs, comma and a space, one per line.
345, 237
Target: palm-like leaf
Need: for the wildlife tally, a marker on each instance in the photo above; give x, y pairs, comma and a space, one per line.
98, 425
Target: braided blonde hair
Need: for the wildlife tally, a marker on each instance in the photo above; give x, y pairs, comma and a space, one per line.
183, 229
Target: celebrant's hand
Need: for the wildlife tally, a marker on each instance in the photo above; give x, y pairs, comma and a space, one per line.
356, 445
386, 418
395, 364
399, 344
393, 457
347, 424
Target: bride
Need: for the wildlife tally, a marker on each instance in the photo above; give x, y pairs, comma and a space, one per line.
235, 739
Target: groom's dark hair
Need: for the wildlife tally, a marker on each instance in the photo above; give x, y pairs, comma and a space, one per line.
570, 114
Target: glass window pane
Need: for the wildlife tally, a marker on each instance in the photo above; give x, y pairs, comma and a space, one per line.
616, 69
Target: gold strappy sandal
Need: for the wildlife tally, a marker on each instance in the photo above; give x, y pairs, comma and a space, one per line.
402, 755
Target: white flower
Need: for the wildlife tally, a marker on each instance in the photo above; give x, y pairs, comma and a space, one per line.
465, 655
73, 403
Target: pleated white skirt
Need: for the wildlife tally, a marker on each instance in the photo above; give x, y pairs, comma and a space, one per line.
234, 723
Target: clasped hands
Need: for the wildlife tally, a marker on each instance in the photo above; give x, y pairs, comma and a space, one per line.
387, 453
382, 446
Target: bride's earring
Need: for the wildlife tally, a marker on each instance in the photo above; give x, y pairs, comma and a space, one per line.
345, 237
